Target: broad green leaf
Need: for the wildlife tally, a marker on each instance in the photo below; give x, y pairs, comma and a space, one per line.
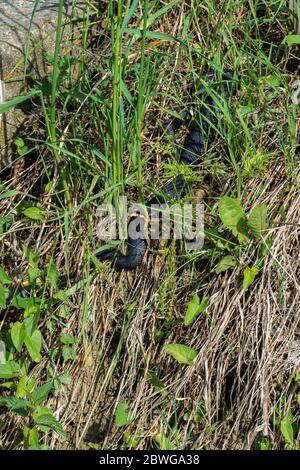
32, 257
246, 109
183, 354
4, 278
249, 276
292, 39
68, 353
243, 231
9, 194
273, 80
228, 262
61, 295
286, 428
5, 223
19, 142
23, 302
163, 442
4, 294
17, 334
30, 323
257, 220
195, 307
44, 417
41, 393
33, 273
231, 214
24, 386
19, 405
9, 370
34, 213
65, 378
34, 345
33, 438
66, 338
123, 417
52, 275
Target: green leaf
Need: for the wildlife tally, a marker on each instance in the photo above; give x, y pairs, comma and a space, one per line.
4, 278
163, 442
127, 18
32, 257
297, 378
9, 194
4, 294
123, 417
151, 35
61, 295
246, 109
265, 444
249, 276
161, 12
68, 353
34, 213
183, 354
195, 307
34, 345
52, 275
292, 39
24, 386
158, 384
273, 80
257, 220
30, 323
63, 379
9, 370
44, 417
41, 393
23, 302
33, 438
231, 214
17, 334
5, 223
33, 274
66, 338
286, 428
7, 105
19, 405
228, 262
19, 142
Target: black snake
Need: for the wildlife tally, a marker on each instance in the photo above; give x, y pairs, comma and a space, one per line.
201, 129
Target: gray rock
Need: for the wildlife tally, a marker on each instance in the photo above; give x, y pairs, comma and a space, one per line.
20, 32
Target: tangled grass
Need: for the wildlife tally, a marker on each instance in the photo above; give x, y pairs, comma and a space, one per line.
242, 387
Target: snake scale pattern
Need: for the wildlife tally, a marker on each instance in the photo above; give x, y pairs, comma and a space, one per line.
201, 127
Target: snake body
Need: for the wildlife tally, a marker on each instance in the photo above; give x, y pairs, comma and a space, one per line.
201, 130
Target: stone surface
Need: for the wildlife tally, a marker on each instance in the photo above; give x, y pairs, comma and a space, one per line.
18, 34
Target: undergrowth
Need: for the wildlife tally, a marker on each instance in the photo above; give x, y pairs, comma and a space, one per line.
193, 350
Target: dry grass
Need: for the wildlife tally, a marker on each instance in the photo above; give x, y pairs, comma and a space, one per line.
247, 342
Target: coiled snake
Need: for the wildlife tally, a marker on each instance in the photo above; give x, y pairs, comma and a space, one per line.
201, 130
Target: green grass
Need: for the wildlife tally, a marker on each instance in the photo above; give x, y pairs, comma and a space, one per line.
95, 337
